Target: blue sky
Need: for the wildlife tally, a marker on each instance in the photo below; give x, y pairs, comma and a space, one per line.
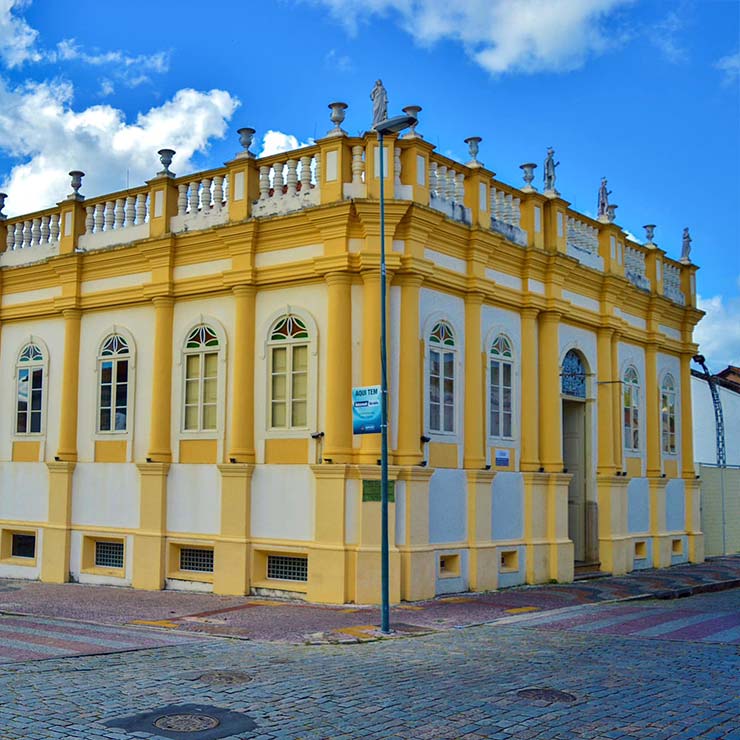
644, 92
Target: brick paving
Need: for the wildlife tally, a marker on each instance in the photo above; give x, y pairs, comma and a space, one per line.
453, 685
297, 622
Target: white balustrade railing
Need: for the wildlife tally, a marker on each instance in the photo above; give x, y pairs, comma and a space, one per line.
506, 216
41, 231
582, 242
447, 192
114, 215
289, 185
202, 195
672, 283
634, 268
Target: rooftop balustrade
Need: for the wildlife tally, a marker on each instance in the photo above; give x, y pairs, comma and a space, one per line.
341, 167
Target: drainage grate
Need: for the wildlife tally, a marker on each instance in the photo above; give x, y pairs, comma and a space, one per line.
186, 722
224, 678
544, 694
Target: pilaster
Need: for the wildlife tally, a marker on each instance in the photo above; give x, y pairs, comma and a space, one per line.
550, 431
692, 495
244, 185
231, 551
338, 441
688, 471
162, 204
482, 556
70, 383
71, 222
474, 455
652, 411
605, 407
242, 404
615, 543
150, 539
529, 398
159, 423
55, 552
370, 443
417, 558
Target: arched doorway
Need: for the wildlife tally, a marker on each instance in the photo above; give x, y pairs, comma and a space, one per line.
581, 517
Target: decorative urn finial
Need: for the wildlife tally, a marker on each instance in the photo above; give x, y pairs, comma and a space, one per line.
76, 176
337, 118
473, 147
246, 136
649, 234
165, 157
528, 168
413, 111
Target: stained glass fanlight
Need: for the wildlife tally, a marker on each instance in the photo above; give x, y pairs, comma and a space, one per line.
442, 334
31, 353
114, 345
202, 336
289, 327
573, 375
501, 347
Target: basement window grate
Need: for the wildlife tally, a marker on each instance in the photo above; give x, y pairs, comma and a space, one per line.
23, 546
196, 559
286, 568
109, 554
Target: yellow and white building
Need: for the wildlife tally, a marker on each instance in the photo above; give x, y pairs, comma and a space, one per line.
177, 362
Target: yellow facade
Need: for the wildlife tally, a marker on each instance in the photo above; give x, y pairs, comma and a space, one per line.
222, 455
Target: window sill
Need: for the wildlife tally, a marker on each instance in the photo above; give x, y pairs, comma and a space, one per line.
27, 562
279, 584
205, 576
100, 571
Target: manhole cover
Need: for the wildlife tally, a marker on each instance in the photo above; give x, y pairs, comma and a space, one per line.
545, 695
186, 722
224, 678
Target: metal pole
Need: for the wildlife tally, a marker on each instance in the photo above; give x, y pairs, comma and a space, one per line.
385, 598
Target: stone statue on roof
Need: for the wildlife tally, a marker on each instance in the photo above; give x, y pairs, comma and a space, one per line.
686, 246
604, 194
550, 165
379, 96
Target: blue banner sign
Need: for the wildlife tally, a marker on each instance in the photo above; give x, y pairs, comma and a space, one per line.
366, 410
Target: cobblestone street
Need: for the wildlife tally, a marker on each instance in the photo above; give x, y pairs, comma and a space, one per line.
622, 682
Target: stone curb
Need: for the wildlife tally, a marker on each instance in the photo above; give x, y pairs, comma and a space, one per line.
702, 588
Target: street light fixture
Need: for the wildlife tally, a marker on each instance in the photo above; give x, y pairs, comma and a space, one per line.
382, 128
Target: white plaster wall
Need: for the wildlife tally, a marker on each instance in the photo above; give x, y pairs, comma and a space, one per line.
106, 495
194, 499
313, 300
638, 506
447, 506
283, 502
671, 364
495, 321
631, 354
137, 323
573, 337
582, 301
705, 447
13, 338
507, 507
219, 313
675, 506
24, 492
436, 306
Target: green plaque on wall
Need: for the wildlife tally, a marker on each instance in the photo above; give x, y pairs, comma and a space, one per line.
371, 490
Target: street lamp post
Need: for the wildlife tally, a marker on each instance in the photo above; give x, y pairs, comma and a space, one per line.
389, 126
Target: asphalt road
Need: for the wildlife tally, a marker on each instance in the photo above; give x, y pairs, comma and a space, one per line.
645, 669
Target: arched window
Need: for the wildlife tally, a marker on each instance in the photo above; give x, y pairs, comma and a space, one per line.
288, 348
668, 414
573, 375
201, 380
113, 369
501, 388
631, 404
442, 378
30, 390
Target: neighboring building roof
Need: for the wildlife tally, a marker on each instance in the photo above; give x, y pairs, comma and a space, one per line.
728, 378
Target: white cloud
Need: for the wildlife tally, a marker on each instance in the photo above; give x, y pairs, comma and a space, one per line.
500, 35
718, 333
730, 67
39, 126
275, 142
17, 38
339, 62
665, 36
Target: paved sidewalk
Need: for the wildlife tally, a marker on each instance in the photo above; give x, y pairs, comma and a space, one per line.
298, 622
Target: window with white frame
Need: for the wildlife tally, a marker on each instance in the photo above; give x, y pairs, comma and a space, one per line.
201, 380
288, 350
30, 390
441, 379
668, 414
631, 409
113, 380
501, 378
